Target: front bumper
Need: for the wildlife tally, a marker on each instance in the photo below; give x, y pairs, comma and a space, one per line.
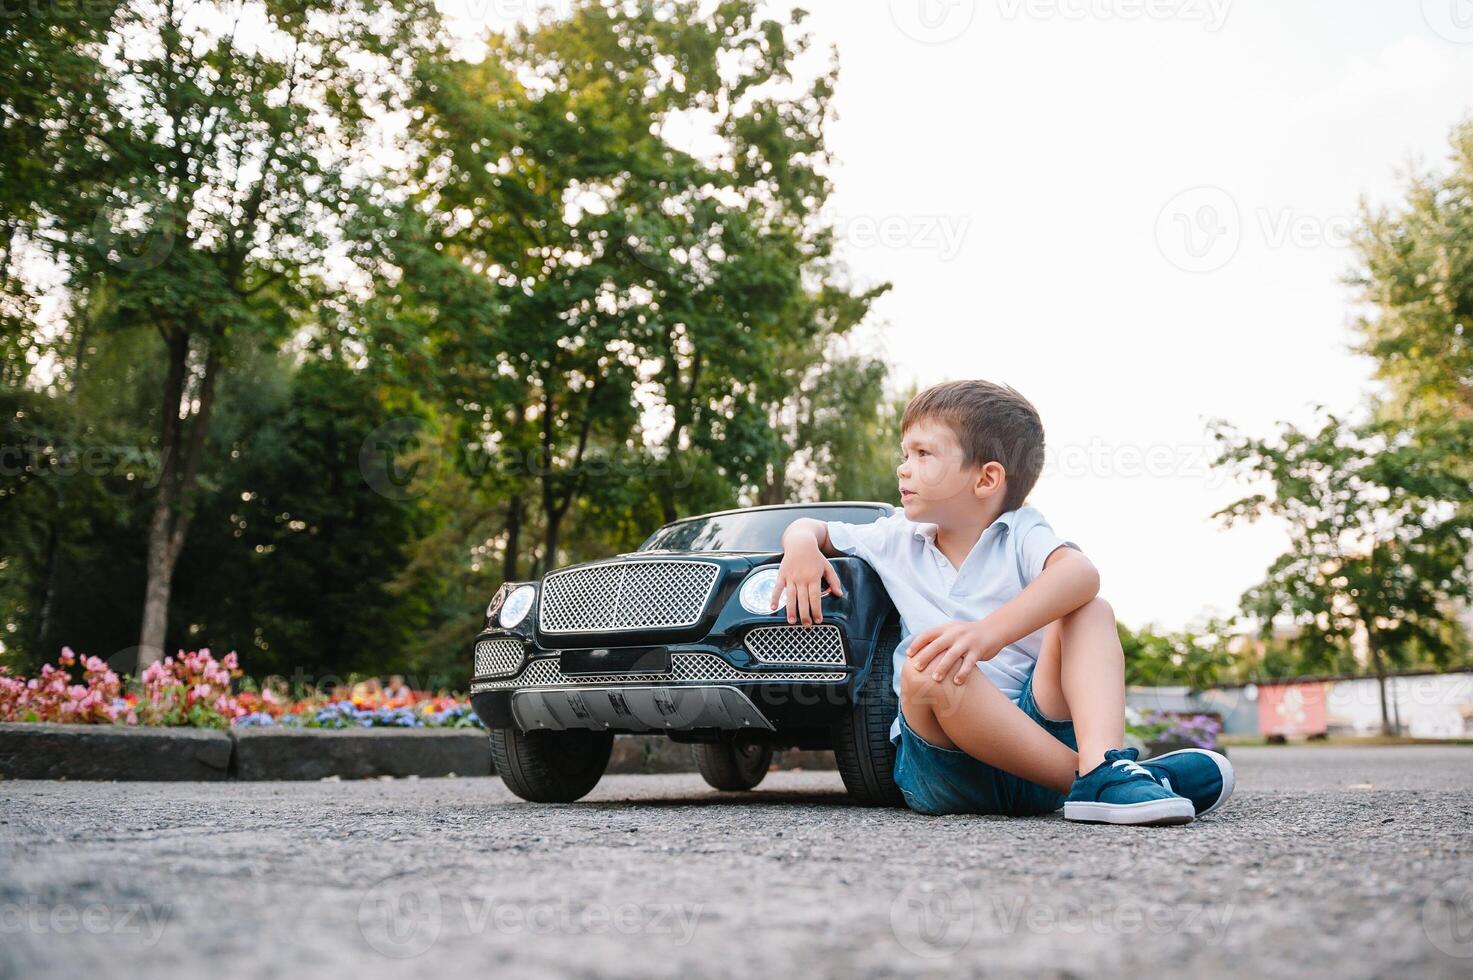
706, 688
729, 671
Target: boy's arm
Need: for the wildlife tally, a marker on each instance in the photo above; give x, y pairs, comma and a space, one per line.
1068, 581
805, 527
804, 570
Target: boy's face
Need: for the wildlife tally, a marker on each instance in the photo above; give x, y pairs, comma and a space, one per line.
935, 486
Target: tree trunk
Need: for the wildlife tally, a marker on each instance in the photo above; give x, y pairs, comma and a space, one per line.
554, 534
178, 465
513, 538
1380, 666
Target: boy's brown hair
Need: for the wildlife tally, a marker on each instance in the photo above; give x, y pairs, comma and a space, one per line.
993, 423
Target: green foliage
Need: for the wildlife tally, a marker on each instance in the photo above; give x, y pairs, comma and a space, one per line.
597, 291
293, 553
1416, 274
601, 289
1379, 537
1196, 658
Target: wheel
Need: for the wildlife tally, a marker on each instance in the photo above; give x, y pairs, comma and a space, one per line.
728, 765
862, 746
550, 767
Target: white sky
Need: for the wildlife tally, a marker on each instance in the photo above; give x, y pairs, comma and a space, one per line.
1025, 171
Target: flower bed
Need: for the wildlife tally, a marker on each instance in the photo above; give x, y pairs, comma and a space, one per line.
194, 690
1163, 731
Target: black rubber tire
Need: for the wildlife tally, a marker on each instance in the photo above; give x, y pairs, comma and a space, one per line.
730, 766
550, 767
862, 746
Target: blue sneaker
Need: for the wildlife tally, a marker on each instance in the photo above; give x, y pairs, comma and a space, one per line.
1204, 777
1119, 790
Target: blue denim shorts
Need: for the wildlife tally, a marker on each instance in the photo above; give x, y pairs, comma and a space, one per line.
934, 780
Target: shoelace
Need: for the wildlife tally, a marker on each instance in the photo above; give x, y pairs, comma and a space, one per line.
1133, 768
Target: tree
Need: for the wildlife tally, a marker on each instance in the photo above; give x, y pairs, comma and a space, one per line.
224, 155
1378, 543
1416, 273
1195, 658
295, 555
603, 295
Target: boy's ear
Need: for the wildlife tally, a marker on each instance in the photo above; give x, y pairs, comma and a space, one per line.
991, 478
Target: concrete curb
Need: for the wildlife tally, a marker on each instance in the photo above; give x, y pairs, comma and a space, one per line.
359, 753
49, 751
128, 753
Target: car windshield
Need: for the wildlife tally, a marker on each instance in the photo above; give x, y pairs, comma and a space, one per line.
750, 530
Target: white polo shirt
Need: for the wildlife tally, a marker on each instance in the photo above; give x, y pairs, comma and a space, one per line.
928, 591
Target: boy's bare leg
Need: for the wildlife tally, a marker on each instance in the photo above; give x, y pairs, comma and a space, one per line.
1081, 676
980, 720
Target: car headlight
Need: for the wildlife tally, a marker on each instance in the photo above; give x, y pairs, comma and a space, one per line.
756, 592
516, 606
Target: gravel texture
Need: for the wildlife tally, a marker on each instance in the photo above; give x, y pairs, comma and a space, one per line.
1327, 862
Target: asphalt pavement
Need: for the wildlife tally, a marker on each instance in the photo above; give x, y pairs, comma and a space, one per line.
1344, 862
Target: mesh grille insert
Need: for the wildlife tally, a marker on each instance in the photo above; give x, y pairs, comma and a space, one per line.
796, 644
498, 657
626, 595
684, 667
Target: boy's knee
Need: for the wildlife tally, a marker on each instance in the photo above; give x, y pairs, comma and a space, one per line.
918, 689
1095, 609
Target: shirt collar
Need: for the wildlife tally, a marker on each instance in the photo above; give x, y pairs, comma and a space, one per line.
927, 532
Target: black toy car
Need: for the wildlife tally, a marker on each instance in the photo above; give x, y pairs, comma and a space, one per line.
676, 638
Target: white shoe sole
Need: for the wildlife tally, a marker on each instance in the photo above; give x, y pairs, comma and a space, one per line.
1146, 813
1224, 768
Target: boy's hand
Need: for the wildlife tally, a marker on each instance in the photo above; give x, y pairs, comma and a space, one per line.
953, 649
801, 576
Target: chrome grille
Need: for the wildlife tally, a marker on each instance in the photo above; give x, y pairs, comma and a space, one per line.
626, 595
684, 667
796, 644
498, 657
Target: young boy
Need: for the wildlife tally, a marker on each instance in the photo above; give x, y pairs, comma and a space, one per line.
984, 586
